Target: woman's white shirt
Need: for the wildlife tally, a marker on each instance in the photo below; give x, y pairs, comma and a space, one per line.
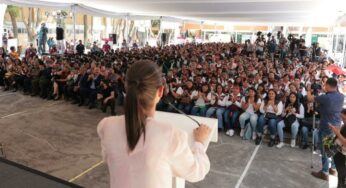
270, 108
250, 109
152, 164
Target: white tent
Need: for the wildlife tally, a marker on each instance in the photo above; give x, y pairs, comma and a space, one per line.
303, 12
283, 12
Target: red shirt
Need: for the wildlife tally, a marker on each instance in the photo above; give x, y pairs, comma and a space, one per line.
106, 48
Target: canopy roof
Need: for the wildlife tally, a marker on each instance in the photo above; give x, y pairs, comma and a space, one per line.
302, 12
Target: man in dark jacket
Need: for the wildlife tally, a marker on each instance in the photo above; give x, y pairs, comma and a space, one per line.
45, 81
95, 79
83, 85
80, 48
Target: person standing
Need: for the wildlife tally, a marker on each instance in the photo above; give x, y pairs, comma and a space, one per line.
140, 150
42, 38
106, 47
330, 107
80, 48
60, 39
95, 49
30, 52
272, 47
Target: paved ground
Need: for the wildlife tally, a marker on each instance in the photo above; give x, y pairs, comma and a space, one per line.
60, 139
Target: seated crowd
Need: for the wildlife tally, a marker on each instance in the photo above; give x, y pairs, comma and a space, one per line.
250, 87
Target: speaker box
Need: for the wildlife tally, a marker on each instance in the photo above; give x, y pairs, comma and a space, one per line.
59, 33
164, 37
113, 37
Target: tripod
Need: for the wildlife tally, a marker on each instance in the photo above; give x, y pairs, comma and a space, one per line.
313, 138
313, 133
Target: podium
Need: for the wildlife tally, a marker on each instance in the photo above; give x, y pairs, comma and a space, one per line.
184, 123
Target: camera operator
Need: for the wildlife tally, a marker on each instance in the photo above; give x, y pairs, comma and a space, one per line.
340, 157
330, 106
303, 51
272, 47
107, 96
316, 51
95, 50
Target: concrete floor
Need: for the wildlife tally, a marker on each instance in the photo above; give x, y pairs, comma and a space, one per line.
60, 139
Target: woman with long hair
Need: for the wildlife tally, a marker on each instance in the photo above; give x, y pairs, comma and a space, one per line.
271, 109
293, 111
201, 104
250, 104
141, 151
218, 99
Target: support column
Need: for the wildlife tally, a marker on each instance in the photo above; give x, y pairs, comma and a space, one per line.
308, 37
74, 27
336, 41
343, 50
160, 33
201, 36
2, 15
127, 29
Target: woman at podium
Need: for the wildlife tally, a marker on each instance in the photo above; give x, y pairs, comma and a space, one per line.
141, 151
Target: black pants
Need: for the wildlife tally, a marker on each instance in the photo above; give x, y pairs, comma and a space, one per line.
110, 103
340, 163
27, 87
2, 77
18, 80
45, 85
70, 93
92, 97
84, 94
35, 86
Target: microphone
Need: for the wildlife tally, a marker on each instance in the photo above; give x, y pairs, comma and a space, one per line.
181, 112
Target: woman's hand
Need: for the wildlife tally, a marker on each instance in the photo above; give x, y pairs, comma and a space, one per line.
336, 130
201, 133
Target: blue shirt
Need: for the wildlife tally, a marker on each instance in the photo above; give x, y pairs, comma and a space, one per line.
330, 108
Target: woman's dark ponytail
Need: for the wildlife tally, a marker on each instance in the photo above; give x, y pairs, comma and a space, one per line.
142, 82
134, 116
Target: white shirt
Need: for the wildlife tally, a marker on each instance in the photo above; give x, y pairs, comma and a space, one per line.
152, 164
250, 108
299, 115
237, 102
270, 109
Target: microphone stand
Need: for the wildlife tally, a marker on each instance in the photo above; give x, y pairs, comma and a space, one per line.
313, 133
181, 112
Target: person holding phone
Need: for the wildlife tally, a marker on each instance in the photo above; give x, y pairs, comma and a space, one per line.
330, 107
141, 151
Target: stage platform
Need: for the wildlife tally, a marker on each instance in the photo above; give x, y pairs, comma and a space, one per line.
15, 175
60, 139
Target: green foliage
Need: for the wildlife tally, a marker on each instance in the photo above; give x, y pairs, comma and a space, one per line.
13, 10
155, 23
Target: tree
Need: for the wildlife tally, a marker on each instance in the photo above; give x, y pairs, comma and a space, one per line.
131, 30
31, 22
124, 30
38, 18
85, 22
105, 28
13, 11
92, 27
